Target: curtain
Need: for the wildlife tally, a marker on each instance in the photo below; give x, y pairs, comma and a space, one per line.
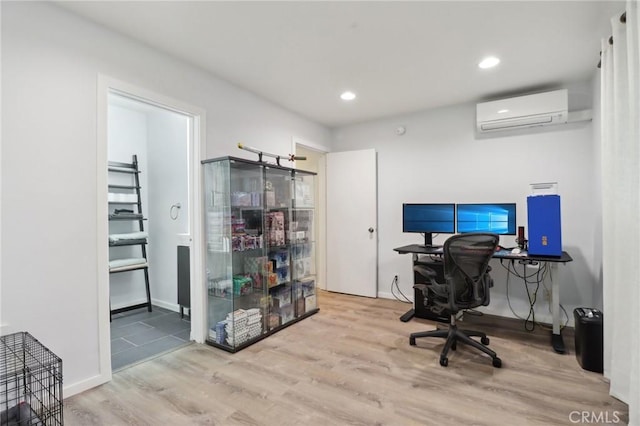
620, 137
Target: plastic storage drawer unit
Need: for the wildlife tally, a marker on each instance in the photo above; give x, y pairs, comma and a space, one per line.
588, 338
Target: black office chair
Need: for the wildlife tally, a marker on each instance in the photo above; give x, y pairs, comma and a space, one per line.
466, 272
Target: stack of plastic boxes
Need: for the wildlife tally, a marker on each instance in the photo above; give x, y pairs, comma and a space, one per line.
220, 288
309, 293
257, 269
275, 226
217, 333
242, 325
305, 295
280, 260
217, 241
241, 285
301, 255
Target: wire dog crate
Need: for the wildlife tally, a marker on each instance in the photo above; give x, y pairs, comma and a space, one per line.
30, 382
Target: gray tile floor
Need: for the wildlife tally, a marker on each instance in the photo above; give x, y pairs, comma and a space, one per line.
139, 335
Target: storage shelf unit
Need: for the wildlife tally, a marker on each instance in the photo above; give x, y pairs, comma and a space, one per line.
129, 268
260, 250
127, 243
123, 187
136, 217
128, 194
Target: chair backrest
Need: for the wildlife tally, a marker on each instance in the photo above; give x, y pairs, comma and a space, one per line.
466, 260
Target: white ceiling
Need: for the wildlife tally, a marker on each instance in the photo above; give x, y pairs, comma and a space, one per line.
398, 57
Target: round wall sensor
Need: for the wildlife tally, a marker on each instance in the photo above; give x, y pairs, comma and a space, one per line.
400, 130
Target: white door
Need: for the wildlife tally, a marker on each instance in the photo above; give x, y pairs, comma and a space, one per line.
352, 220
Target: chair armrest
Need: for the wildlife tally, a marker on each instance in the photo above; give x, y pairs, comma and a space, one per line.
426, 272
488, 283
423, 287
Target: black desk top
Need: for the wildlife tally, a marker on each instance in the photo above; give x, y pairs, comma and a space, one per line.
419, 249
500, 254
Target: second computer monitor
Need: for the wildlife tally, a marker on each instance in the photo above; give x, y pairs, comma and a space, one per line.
428, 219
488, 217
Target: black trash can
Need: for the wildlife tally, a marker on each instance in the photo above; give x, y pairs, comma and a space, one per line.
588, 338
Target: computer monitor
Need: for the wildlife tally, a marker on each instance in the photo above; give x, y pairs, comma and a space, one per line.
428, 219
496, 218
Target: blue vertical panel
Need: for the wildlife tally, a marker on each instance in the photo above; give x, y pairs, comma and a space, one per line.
545, 234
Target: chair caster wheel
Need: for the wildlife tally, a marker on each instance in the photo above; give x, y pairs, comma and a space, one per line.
484, 340
453, 346
412, 341
444, 361
497, 362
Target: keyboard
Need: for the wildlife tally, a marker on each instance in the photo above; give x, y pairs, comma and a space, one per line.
504, 253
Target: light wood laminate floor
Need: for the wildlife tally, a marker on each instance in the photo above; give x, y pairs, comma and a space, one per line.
351, 364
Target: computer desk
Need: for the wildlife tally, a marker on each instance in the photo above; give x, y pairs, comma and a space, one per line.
556, 336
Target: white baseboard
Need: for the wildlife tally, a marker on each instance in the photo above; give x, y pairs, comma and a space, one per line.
388, 295
174, 307
385, 295
84, 385
5, 329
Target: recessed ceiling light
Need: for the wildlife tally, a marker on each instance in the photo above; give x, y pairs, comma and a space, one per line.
348, 96
489, 62
502, 111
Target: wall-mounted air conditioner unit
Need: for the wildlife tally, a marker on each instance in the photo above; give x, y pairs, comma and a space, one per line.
540, 109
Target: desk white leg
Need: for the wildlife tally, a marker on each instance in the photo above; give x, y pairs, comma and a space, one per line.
556, 337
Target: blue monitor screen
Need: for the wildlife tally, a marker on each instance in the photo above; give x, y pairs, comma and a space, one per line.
496, 218
428, 218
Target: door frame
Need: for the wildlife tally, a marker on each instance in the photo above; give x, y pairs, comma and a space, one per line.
107, 85
321, 209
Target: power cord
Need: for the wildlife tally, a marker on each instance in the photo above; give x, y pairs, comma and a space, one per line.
404, 299
540, 276
529, 321
531, 314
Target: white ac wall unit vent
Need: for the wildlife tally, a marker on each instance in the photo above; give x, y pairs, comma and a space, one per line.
540, 109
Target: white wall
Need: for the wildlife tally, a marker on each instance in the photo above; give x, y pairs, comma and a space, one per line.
50, 65
440, 160
168, 184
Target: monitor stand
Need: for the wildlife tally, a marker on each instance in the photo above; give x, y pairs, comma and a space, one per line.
428, 239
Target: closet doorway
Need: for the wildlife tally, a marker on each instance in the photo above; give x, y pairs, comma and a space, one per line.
164, 139
159, 140
316, 162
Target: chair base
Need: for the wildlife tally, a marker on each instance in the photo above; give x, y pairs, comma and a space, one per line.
453, 335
